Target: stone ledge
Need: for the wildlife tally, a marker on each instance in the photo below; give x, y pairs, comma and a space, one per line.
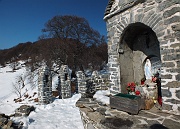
96, 115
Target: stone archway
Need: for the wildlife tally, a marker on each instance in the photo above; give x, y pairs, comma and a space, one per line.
129, 21
138, 41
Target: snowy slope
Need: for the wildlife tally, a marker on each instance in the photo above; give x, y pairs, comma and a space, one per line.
61, 114
7, 94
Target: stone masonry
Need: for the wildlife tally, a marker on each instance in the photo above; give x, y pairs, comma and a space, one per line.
97, 115
65, 82
44, 86
141, 29
81, 82
88, 85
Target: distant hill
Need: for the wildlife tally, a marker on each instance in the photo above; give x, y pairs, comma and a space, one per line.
68, 51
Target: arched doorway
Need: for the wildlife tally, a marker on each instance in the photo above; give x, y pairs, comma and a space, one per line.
138, 42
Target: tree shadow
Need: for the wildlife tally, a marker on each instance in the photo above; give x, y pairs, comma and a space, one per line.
31, 120
158, 126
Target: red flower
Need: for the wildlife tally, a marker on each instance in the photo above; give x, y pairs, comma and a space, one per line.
129, 84
137, 92
142, 82
131, 87
133, 84
154, 79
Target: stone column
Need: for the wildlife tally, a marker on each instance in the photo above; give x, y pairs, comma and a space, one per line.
65, 81
81, 83
44, 86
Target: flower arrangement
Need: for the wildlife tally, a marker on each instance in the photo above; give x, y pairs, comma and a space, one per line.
131, 89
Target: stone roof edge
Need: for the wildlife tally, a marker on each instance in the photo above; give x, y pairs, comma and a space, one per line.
108, 7
109, 14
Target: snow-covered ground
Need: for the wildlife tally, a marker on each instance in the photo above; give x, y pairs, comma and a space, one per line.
61, 114
7, 94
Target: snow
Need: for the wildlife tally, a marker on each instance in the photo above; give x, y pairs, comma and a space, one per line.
60, 114
102, 96
7, 95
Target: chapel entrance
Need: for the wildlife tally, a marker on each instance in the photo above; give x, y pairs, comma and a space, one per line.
138, 43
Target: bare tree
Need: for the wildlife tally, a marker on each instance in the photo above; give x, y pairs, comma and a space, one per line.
72, 27
32, 78
19, 84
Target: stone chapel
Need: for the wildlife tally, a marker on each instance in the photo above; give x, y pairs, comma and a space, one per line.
138, 30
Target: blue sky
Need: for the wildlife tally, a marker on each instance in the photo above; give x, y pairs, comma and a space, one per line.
22, 20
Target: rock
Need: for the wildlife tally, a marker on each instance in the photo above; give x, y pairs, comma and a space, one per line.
176, 27
36, 100
1, 123
95, 116
90, 126
4, 127
101, 110
2, 115
6, 123
18, 100
3, 120
24, 110
9, 124
171, 124
80, 105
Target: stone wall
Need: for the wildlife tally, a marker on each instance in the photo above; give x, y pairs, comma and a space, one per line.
44, 86
89, 85
65, 82
162, 19
99, 81
81, 82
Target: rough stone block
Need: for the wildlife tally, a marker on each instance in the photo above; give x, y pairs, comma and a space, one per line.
173, 84
166, 107
178, 77
176, 27
167, 76
155, 22
167, 3
168, 64
125, 102
172, 20
149, 8
173, 101
178, 94
139, 17
166, 93
148, 16
170, 12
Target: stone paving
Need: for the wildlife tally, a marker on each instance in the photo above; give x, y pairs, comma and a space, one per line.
96, 115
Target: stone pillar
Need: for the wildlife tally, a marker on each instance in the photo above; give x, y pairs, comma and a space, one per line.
65, 82
81, 83
44, 86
